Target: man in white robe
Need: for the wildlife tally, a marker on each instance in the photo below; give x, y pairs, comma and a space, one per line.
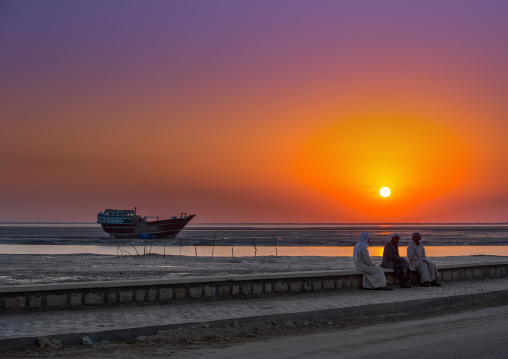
418, 259
373, 276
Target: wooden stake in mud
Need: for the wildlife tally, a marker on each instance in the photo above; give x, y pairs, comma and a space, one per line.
215, 235
134, 248
234, 240
275, 244
255, 249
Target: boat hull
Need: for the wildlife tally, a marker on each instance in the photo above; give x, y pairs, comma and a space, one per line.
167, 228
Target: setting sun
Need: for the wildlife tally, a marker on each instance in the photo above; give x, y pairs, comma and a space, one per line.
385, 191
350, 171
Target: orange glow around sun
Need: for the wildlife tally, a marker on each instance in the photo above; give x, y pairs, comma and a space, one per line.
351, 160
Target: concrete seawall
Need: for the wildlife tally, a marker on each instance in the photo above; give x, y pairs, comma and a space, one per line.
47, 297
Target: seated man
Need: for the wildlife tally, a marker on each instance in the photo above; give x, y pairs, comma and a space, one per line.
373, 276
392, 259
418, 259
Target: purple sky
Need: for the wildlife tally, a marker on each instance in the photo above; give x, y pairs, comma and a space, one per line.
215, 108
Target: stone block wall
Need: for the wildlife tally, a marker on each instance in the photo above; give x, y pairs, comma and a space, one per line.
89, 294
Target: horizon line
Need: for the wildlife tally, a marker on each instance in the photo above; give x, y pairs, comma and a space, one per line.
272, 223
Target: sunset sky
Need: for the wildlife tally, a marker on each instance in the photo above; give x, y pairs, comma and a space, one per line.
254, 111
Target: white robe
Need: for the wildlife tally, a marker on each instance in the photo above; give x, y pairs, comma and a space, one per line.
373, 276
416, 256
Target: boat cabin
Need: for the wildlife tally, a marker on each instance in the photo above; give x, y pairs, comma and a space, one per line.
118, 216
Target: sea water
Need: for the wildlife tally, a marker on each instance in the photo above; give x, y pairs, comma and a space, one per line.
254, 239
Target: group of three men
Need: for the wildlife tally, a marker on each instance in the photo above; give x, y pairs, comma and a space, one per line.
417, 259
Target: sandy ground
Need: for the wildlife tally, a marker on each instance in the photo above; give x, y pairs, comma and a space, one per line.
39, 269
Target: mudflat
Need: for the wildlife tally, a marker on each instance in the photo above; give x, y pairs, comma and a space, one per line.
39, 269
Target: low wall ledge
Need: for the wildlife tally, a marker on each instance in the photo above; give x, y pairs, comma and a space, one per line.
216, 279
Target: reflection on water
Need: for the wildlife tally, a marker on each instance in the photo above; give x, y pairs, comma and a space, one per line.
244, 251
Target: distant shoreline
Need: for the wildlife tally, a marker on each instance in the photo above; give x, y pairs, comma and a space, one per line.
257, 225
294, 224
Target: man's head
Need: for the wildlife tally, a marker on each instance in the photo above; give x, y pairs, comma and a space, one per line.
395, 238
365, 237
416, 237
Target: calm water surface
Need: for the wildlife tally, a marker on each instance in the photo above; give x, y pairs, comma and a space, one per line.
243, 251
